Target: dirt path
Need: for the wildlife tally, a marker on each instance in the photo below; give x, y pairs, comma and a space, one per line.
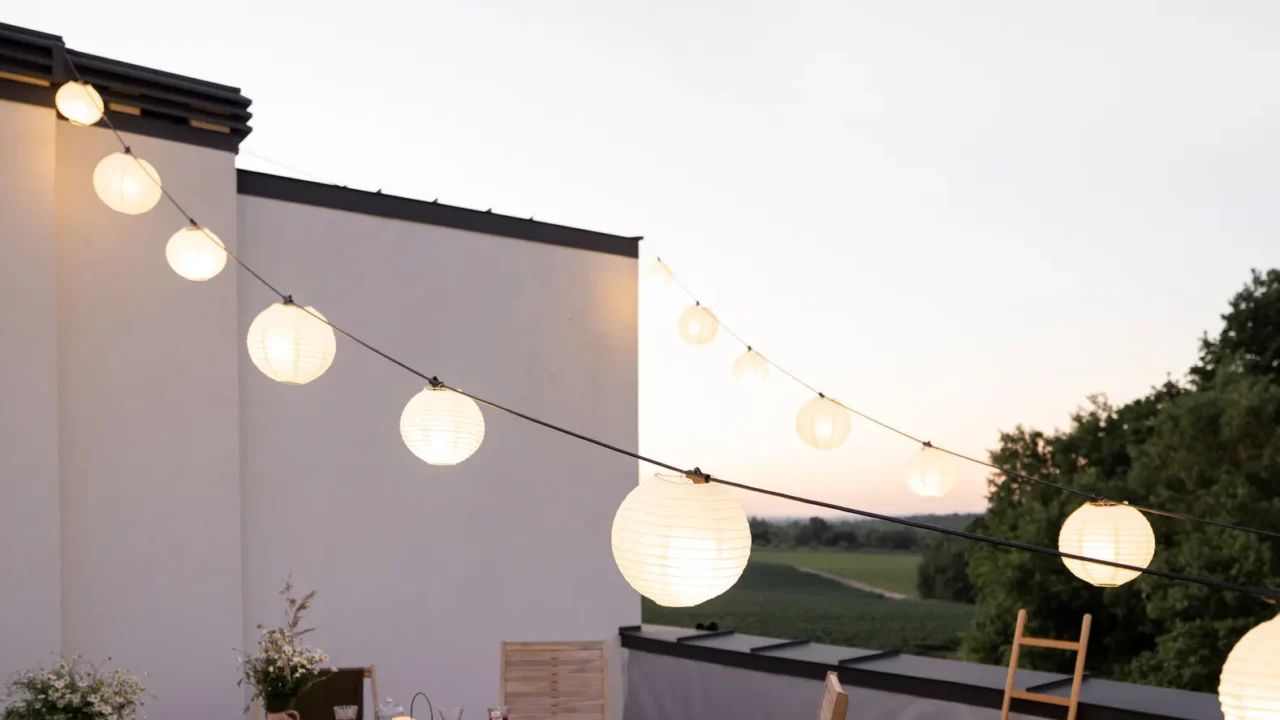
856, 585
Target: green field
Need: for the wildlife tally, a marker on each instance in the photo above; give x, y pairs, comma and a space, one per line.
895, 572
780, 601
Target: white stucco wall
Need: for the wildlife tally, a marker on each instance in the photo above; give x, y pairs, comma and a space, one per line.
156, 488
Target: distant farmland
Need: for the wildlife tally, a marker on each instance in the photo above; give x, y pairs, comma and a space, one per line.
895, 572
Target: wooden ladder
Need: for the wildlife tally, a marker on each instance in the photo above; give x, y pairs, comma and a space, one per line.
1081, 648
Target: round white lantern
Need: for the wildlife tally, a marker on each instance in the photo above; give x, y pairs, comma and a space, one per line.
1106, 531
932, 473
127, 184
680, 543
750, 368
1249, 688
822, 424
290, 346
196, 253
79, 102
442, 427
698, 325
659, 275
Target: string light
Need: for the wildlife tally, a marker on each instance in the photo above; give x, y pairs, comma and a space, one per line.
932, 473
698, 325
1249, 688
291, 345
79, 102
196, 253
659, 275
750, 368
127, 183
823, 424
1107, 531
680, 542
442, 427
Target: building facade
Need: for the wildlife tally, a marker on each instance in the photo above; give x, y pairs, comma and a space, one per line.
156, 489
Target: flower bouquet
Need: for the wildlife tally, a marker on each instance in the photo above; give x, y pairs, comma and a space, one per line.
71, 690
282, 668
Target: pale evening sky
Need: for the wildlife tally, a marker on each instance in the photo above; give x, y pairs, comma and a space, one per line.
955, 216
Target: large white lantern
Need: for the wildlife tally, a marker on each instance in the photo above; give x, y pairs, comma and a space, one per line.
698, 325
750, 368
1250, 685
659, 275
290, 346
127, 184
1106, 531
932, 473
680, 542
196, 253
442, 427
823, 424
79, 102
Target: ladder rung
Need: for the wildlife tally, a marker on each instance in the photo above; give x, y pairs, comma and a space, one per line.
1055, 644
1051, 699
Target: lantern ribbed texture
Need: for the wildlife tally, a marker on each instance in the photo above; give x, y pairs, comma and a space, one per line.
932, 473
127, 184
822, 424
698, 325
194, 255
1106, 531
750, 368
1250, 685
442, 427
290, 346
659, 275
679, 543
79, 103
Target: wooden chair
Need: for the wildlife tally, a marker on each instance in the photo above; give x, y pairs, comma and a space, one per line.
1080, 647
555, 679
835, 701
344, 687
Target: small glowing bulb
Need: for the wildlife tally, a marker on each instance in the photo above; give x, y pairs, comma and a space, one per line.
291, 345
1111, 532
698, 325
932, 473
659, 275
127, 183
823, 424
750, 368
79, 102
196, 253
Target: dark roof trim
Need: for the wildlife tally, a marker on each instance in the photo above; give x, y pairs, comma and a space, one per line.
33, 65
304, 192
922, 680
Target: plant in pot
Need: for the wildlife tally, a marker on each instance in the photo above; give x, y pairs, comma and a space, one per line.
72, 690
283, 668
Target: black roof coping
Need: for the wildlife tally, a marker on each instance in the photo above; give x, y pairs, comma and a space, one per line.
33, 65
334, 197
924, 677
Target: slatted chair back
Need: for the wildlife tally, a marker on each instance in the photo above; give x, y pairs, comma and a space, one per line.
567, 680
835, 701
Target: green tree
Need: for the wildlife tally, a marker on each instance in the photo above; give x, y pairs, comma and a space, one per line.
943, 573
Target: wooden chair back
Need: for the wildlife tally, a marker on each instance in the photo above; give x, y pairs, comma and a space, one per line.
835, 701
555, 679
1081, 648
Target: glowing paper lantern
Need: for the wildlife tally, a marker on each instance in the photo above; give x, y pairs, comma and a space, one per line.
1106, 531
1249, 688
822, 424
442, 427
932, 473
750, 368
290, 346
79, 102
698, 325
680, 543
659, 275
126, 183
195, 253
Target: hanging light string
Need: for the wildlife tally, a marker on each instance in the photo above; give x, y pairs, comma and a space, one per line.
1268, 594
1093, 497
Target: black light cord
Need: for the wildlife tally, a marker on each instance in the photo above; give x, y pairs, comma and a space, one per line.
1268, 594
1005, 471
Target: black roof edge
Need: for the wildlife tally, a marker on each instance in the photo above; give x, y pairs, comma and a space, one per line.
142, 100
334, 197
852, 674
780, 645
